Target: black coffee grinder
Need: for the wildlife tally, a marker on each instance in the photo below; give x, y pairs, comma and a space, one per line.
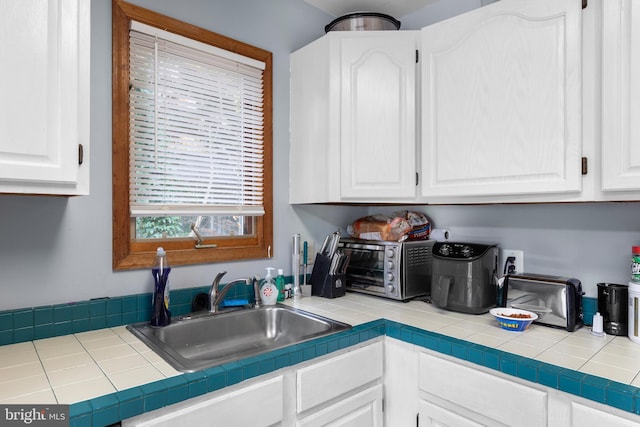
612, 305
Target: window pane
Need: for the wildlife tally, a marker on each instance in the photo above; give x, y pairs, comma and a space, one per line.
197, 127
168, 227
137, 232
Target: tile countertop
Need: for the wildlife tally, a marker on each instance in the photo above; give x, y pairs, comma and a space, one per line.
83, 366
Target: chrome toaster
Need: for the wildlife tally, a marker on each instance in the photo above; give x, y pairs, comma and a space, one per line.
556, 300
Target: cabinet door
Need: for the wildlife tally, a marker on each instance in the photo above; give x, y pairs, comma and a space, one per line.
501, 101
360, 410
377, 129
584, 416
495, 398
620, 95
45, 96
435, 416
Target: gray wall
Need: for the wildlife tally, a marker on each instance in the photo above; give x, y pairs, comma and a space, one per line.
56, 250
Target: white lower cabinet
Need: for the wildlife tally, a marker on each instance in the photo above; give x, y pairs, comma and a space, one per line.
342, 391
585, 416
387, 382
363, 409
345, 389
332, 378
443, 391
432, 415
475, 395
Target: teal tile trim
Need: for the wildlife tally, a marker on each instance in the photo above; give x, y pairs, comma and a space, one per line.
80, 414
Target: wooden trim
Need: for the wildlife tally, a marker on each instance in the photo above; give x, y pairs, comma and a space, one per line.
128, 254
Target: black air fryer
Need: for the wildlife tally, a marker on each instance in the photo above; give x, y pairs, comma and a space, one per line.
464, 276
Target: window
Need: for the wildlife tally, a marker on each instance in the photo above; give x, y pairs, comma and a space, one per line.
192, 143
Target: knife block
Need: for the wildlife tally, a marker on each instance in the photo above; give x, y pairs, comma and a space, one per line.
324, 284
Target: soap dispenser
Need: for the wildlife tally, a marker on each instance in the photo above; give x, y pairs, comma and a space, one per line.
269, 290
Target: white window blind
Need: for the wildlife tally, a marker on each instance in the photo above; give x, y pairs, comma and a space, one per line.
196, 128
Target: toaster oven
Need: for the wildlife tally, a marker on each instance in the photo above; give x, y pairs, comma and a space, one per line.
396, 270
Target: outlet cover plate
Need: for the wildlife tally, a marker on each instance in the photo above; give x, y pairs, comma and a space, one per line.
519, 256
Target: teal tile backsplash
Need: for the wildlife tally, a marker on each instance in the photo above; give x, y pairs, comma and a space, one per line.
28, 324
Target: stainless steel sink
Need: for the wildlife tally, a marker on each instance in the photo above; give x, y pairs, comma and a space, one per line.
204, 340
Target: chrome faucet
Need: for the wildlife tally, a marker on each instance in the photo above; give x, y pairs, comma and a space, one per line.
216, 296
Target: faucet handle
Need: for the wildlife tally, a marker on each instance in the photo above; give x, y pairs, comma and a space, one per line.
216, 281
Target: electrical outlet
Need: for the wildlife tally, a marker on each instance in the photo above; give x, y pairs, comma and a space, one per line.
518, 255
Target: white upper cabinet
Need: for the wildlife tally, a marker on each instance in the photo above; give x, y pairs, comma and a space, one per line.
501, 102
353, 118
620, 99
44, 109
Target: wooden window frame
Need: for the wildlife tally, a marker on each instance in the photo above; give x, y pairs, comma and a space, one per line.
131, 254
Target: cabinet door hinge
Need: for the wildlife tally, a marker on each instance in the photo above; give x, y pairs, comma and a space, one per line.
585, 3
585, 168
417, 178
417, 56
80, 154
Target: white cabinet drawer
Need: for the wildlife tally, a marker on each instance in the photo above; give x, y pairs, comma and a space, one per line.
494, 397
434, 416
331, 378
584, 416
363, 409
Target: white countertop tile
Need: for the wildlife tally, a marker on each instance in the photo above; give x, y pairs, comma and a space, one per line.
521, 349
74, 375
64, 346
107, 353
18, 355
488, 340
84, 390
135, 377
22, 386
12, 373
124, 363
67, 362
43, 397
562, 359
616, 373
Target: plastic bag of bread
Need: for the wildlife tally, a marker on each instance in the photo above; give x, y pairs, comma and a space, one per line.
420, 225
379, 227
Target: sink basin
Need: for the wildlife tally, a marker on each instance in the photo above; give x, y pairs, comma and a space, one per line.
204, 340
